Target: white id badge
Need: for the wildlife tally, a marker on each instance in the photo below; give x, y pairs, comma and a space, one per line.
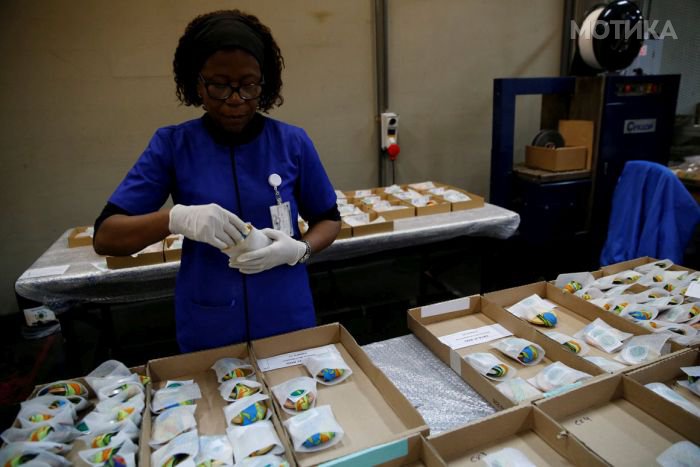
282, 218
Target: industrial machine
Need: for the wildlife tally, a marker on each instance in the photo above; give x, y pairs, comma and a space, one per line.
633, 119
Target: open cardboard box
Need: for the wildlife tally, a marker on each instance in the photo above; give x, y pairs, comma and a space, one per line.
431, 323
391, 215
576, 155
369, 229
345, 231
573, 313
169, 253
668, 371
367, 405
140, 259
210, 408
620, 421
525, 428
414, 451
616, 268
75, 239
440, 207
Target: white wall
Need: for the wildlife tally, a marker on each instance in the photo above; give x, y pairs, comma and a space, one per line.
84, 84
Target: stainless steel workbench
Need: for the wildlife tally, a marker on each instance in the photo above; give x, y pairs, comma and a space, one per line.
87, 280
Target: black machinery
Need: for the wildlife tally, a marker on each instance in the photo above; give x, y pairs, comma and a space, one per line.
633, 120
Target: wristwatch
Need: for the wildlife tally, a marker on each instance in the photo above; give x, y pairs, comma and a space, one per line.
307, 254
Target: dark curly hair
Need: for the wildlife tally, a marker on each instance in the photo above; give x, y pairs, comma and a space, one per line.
189, 60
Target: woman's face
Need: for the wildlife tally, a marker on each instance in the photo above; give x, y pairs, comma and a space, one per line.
236, 68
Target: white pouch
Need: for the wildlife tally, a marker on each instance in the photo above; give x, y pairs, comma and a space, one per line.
672, 396
574, 282
296, 395
651, 294
642, 349
175, 393
606, 364
454, 196
636, 312
682, 313
693, 382
393, 189
681, 454
64, 388
54, 403
328, 368
113, 419
535, 310
507, 457
108, 405
589, 293
24, 454
314, 430
121, 389
665, 303
618, 291
663, 264
521, 350
357, 219
182, 450
172, 423
254, 440
370, 200
106, 373
248, 410
491, 367
236, 389
660, 276
626, 277
618, 304
422, 186
49, 446
577, 346
100, 456
557, 375
110, 437
254, 240
518, 390
214, 451
268, 460
32, 415
362, 193
600, 334
48, 432
231, 368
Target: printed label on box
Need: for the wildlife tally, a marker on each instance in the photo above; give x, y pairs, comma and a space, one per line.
293, 358
470, 337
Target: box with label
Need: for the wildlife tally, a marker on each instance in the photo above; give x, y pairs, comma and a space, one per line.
457, 330
572, 315
152, 254
80, 236
617, 419
368, 407
209, 413
527, 430
679, 372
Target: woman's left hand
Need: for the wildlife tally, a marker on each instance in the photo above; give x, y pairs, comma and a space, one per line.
283, 250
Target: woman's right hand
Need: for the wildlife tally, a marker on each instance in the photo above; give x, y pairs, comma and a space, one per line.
209, 223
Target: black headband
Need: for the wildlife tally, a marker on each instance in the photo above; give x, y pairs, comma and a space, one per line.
221, 33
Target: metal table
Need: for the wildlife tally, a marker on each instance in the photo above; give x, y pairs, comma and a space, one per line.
86, 280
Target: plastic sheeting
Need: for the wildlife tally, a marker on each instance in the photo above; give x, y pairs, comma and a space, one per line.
87, 280
443, 398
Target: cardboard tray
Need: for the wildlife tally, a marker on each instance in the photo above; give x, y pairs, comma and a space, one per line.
210, 408
526, 428
141, 259
668, 371
620, 421
573, 313
171, 254
371, 410
74, 241
477, 313
414, 451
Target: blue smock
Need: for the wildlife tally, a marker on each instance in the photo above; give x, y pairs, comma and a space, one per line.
653, 214
216, 305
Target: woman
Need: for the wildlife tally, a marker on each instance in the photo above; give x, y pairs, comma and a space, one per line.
231, 167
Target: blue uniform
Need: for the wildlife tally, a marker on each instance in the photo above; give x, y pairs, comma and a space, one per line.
217, 305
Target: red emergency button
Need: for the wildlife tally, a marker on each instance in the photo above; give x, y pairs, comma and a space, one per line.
393, 150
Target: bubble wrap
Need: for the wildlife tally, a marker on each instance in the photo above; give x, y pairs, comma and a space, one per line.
443, 398
87, 281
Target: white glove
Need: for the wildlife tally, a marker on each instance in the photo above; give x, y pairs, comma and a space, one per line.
209, 223
283, 250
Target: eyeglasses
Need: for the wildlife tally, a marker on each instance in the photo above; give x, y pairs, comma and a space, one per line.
222, 91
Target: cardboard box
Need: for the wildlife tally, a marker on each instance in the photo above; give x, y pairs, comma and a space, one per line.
414, 451
616, 268
139, 259
668, 371
210, 408
573, 313
406, 211
345, 231
367, 405
556, 159
368, 229
441, 207
74, 240
471, 313
526, 428
476, 201
169, 253
579, 133
618, 420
